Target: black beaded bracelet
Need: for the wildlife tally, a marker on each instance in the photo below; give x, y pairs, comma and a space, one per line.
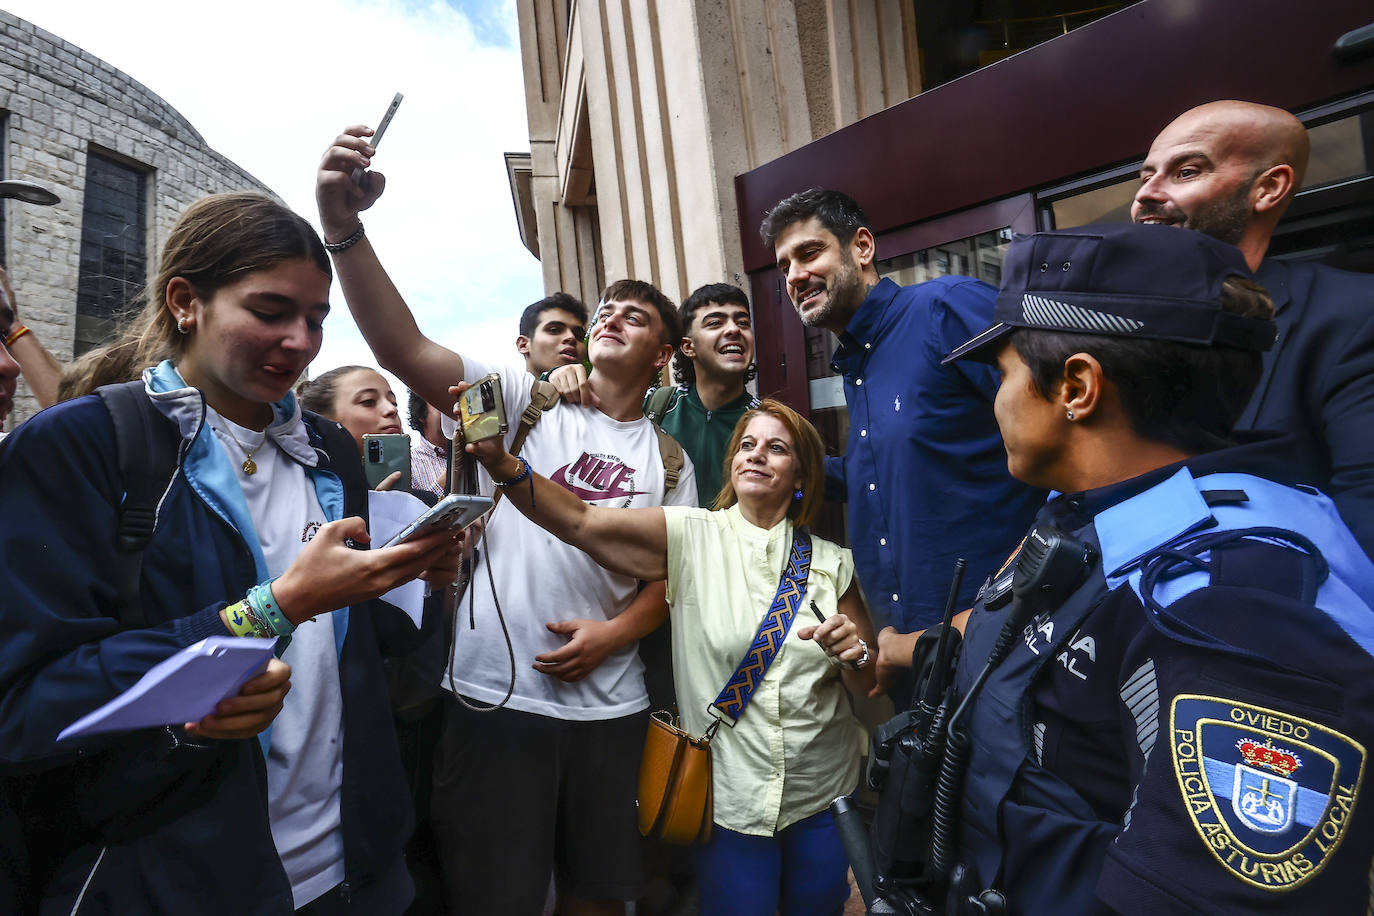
355, 238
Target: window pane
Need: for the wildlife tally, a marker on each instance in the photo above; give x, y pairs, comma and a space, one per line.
1338, 151
957, 37
1110, 204
113, 265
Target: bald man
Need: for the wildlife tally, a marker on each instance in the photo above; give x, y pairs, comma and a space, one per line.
1230, 169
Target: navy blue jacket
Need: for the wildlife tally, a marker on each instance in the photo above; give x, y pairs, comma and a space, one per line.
1202, 754
924, 471
184, 826
1318, 382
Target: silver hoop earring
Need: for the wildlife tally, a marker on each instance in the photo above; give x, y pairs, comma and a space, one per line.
181, 326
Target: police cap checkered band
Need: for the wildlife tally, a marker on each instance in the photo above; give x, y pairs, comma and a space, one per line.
1120, 280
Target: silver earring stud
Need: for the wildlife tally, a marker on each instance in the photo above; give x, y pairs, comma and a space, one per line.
1070, 413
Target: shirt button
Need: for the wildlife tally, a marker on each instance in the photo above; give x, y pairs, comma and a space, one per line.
894, 597
862, 433
873, 486
868, 346
858, 381
882, 542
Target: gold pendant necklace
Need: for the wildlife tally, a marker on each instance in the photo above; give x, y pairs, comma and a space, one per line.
250, 467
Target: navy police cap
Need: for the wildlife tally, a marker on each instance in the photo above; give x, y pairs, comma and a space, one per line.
1120, 280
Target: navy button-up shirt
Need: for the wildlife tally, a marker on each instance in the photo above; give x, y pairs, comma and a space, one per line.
924, 470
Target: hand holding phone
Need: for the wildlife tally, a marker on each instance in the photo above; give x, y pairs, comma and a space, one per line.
457, 510
383, 455
482, 410
380, 129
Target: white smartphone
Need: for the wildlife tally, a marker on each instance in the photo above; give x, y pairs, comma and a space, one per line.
457, 510
380, 129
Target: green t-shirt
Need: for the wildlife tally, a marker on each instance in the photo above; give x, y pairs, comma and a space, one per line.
703, 434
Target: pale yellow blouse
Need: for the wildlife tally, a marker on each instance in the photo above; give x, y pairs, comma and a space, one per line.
797, 745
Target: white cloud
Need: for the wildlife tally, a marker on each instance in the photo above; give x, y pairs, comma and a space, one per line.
269, 83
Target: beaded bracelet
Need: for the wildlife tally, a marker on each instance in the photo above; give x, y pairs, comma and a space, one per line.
526, 473
355, 238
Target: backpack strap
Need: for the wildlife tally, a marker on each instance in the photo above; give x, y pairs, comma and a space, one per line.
670, 452
658, 403
542, 397
148, 447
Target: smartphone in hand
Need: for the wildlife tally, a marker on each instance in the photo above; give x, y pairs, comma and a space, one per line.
379, 130
482, 410
457, 510
383, 455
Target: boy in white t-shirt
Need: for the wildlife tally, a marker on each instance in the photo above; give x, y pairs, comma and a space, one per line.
548, 782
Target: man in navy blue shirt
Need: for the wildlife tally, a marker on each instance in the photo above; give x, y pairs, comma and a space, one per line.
924, 471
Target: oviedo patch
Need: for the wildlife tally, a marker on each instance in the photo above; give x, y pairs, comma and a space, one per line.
1269, 793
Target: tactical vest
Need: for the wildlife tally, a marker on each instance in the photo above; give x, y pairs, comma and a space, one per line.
1024, 830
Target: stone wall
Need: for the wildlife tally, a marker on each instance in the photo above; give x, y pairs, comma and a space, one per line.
60, 102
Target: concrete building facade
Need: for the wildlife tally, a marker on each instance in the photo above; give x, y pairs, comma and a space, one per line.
124, 163
642, 114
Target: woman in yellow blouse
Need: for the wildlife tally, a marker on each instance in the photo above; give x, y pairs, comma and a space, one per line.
796, 746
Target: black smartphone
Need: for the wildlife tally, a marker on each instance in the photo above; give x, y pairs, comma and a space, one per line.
383, 455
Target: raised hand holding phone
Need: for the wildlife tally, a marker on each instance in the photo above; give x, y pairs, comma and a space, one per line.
482, 410
379, 130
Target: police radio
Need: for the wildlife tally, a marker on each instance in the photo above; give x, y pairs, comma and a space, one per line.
922, 753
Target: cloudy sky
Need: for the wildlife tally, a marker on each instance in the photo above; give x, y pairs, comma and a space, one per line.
269, 83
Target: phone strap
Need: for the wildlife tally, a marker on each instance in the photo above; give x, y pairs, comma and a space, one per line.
773, 629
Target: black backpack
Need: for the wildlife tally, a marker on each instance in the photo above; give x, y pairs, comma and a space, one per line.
148, 448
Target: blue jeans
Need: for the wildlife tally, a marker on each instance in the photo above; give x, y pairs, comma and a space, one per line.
799, 871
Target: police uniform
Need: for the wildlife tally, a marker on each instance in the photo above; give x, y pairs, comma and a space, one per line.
1186, 728
1203, 755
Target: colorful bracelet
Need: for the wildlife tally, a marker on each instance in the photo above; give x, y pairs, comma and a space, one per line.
262, 628
16, 333
240, 619
261, 600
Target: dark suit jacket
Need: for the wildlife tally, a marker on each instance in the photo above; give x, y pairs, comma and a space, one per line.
1318, 383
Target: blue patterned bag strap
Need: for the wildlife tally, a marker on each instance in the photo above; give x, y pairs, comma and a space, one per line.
734, 697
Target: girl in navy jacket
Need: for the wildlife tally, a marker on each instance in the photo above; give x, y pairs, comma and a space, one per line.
283, 797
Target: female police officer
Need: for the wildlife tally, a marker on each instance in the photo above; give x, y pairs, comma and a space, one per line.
1177, 714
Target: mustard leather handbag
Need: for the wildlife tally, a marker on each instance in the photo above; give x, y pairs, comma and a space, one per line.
675, 771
